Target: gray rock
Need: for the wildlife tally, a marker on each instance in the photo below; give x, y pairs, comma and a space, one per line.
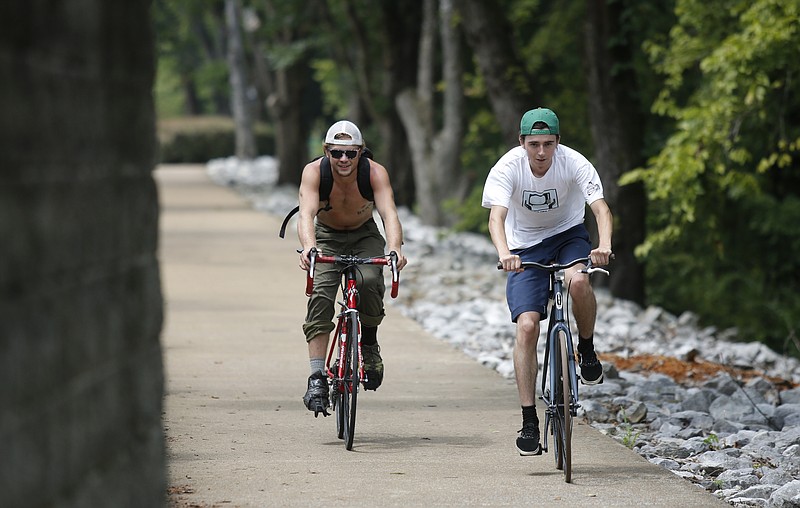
721, 460
742, 478
762, 492
723, 383
775, 477
786, 415
727, 408
762, 391
697, 399
790, 396
787, 496
595, 411
670, 464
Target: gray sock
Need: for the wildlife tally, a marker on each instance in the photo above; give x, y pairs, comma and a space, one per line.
317, 365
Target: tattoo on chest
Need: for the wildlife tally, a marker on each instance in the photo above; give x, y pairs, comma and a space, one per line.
364, 209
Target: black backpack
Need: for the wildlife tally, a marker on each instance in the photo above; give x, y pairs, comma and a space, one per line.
326, 184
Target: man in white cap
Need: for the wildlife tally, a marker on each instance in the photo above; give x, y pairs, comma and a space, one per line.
537, 195
344, 225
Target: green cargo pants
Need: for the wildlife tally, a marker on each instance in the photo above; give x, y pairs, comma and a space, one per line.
365, 241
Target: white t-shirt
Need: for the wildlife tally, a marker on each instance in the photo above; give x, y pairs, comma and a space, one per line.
539, 208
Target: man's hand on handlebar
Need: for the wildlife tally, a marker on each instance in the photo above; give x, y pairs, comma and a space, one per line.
401, 259
305, 255
601, 256
510, 263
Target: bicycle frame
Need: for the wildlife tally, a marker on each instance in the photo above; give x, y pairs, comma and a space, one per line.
348, 309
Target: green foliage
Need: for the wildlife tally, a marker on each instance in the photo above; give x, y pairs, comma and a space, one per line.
332, 86
555, 59
712, 441
482, 147
167, 92
723, 210
629, 435
539, 33
191, 57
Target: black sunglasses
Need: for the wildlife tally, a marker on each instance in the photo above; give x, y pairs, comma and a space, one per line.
337, 154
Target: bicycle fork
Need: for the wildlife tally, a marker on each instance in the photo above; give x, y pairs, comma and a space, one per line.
350, 316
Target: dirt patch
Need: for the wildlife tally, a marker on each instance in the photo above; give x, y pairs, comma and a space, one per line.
691, 371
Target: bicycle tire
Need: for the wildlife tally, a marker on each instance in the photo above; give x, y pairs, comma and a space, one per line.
565, 407
351, 385
556, 373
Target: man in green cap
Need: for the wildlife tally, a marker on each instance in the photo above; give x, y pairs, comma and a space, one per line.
537, 194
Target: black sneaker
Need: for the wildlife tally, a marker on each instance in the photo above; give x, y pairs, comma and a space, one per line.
316, 397
591, 368
373, 366
528, 440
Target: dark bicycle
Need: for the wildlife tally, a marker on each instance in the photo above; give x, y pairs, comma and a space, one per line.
559, 375
347, 370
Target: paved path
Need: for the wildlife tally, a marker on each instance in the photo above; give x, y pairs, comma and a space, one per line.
439, 432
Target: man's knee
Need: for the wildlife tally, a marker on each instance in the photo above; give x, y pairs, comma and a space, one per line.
528, 326
580, 286
314, 329
372, 280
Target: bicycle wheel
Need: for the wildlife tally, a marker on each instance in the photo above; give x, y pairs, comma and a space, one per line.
556, 368
338, 390
351, 385
565, 413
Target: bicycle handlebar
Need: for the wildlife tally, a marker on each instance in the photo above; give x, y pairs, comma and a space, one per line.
349, 260
554, 267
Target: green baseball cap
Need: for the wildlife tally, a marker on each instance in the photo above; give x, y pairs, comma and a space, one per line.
538, 115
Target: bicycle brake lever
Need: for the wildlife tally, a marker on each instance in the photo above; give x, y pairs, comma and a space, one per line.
395, 273
312, 256
596, 269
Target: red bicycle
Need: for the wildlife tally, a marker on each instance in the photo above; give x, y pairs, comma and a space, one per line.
347, 371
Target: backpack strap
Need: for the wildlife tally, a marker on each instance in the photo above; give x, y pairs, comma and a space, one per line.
364, 183
325, 179
289, 215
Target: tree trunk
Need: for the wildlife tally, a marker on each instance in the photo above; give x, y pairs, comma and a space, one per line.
508, 84
291, 131
242, 116
435, 155
283, 90
613, 121
400, 37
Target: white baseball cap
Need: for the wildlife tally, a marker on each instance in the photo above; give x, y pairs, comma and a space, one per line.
344, 127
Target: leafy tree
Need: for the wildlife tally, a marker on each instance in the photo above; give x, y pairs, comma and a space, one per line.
724, 189
191, 53
368, 54
436, 148
283, 39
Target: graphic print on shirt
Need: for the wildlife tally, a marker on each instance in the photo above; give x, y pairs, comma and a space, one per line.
540, 201
591, 188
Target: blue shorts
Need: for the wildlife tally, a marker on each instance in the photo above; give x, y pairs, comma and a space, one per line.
528, 291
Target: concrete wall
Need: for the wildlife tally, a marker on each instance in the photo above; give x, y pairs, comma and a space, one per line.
81, 376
